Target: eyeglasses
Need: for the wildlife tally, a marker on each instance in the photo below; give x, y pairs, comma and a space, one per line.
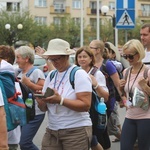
55, 59
131, 57
94, 47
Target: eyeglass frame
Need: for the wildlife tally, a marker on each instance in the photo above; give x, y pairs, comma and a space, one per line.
130, 56
55, 59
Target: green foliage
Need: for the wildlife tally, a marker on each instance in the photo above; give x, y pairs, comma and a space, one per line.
68, 30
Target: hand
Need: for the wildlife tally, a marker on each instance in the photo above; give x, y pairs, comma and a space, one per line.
94, 82
39, 50
25, 80
54, 99
122, 83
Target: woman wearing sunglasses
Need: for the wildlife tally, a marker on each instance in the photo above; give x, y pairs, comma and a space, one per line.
137, 120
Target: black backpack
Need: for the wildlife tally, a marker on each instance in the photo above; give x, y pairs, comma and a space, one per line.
30, 112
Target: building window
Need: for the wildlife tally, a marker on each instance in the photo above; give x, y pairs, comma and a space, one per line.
112, 5
93, 6
40, 20
77, 21
13, 6
57, 21
145, 10
40, 3
76, 4
93, 23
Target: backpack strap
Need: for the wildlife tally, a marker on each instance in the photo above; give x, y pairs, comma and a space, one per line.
52, 74
126, 73
72, 75
94, 70
30, 71
145, 74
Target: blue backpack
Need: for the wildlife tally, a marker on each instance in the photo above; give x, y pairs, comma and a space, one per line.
15, 108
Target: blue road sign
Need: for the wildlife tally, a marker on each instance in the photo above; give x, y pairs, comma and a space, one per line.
125, 14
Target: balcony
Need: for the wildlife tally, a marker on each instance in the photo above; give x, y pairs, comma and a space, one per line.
64, 10
91, 11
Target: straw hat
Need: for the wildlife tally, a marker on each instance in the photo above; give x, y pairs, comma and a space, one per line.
114, 48
58, 47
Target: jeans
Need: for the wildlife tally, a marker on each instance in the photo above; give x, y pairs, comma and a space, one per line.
135, 129
29, 131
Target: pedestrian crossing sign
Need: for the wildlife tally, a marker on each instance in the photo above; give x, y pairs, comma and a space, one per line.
125, 19
125, 14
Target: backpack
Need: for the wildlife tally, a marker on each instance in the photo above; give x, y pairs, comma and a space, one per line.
94, 114
30, 112
113, 93
14, 106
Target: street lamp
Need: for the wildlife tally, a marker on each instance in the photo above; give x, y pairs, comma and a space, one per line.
12, 33
104, 10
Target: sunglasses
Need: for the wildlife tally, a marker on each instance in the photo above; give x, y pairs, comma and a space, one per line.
131, 57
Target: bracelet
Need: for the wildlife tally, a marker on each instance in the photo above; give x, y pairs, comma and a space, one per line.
124, 101
61, 101
95, 87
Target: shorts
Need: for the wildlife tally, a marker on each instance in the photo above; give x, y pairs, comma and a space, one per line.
68, 139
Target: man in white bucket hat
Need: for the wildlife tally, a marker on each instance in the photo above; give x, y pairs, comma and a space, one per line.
69, 123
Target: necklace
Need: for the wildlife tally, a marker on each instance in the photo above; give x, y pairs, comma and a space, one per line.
130, 90
61, 78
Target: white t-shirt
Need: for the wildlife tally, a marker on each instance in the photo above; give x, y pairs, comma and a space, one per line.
146, 58
100, 78
14, 136
34, 77
1, 98
61, 117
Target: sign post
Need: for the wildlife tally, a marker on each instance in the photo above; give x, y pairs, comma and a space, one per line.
125, 14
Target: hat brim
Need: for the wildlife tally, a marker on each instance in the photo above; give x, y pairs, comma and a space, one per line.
47, 53
115, 50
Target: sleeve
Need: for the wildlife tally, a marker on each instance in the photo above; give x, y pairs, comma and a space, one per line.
101, 79
110, 67
82, 81
37, 74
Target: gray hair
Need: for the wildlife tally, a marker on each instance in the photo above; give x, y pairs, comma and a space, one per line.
26, 52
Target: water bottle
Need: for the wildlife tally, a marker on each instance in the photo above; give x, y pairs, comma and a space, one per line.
29, 101
102, 117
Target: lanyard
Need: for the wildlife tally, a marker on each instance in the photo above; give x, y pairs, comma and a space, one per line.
61, 78
129, 91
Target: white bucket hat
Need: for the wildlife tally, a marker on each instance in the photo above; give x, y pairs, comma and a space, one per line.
114, 48
58, 47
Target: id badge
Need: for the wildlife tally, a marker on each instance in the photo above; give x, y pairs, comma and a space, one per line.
129, 101
130, 97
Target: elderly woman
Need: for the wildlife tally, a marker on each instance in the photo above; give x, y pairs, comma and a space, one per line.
35, 81
69, 123
137, 120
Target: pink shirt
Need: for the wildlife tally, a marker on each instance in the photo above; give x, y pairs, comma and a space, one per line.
134, 112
